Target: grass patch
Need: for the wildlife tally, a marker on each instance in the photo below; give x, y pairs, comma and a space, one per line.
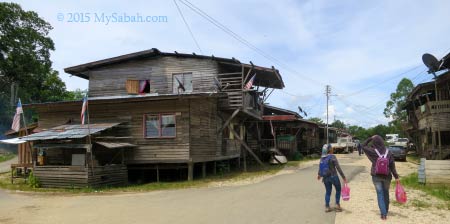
438, 191
6, 157
419, 204
236, 175
413, 158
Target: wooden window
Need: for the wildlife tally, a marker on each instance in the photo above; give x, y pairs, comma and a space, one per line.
138, 86
180, 81
159, 126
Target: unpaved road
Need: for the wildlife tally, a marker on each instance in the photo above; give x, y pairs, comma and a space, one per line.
290, 198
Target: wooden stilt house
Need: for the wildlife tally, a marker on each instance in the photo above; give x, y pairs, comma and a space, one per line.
170, 110
428, 113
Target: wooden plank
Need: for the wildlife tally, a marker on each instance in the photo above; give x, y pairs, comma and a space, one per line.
246, 146
437, 162
437, 171
437, 166
227, 122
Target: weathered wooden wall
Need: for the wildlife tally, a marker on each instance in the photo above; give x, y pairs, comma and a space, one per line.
79, 177
197, 123
203, 129
111, 80
437, 171
132, 116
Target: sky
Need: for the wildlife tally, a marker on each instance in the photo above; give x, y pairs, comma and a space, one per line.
362, 49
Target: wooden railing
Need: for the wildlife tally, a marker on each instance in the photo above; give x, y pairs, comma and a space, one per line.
439, 106
433, 107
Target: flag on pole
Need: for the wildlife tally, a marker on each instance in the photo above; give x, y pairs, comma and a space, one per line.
84, 109
16, 121
250, 83
271, 129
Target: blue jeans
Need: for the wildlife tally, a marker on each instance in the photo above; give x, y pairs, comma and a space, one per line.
329, 182
382, 187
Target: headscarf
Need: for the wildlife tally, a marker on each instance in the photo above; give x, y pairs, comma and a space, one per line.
325, 149
378, 143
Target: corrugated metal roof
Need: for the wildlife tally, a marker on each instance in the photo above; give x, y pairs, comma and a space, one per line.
69, 131
115, 145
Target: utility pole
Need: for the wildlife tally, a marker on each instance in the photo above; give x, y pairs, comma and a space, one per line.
327, 93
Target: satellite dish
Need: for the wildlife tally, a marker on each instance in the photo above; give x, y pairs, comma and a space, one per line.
431, 62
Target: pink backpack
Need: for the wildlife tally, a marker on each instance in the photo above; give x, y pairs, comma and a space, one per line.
382, 164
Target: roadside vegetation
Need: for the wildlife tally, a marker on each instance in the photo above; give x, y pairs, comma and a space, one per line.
441, 192
6, 157
29, 185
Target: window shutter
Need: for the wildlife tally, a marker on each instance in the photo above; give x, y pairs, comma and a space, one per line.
132, 86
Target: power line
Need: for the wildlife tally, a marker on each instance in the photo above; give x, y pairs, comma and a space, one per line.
379, 83
187, 26
245, 42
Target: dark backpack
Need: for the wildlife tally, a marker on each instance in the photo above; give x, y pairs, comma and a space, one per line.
382, 164
324, 166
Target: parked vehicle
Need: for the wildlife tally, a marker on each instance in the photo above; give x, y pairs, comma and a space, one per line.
398, 151
343, 145
402, 141
391, 138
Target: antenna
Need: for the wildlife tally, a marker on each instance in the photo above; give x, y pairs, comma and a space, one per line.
432, 63
180, 85
302, 111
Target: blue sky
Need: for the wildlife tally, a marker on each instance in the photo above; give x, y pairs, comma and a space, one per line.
361, 48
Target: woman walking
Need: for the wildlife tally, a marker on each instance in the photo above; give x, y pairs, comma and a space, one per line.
327, 170
383, 167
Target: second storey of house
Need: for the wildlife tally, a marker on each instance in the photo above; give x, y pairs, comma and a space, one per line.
152, 72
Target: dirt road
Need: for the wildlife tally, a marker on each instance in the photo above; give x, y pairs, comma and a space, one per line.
290, 198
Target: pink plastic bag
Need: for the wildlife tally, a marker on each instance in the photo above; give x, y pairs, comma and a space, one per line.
400, 193
345, 192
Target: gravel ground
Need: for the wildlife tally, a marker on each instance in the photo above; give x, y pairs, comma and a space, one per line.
363, 207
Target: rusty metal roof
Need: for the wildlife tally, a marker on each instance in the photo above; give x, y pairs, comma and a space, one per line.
69, 131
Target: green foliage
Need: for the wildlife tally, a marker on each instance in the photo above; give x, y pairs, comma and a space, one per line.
439, 191
78, 94
381, 130
6, 157
24, 49
338, 124
33, 181
398, 100
317, 120
25, 65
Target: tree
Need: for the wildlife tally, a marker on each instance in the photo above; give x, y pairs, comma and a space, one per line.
358, 132
25, 60
78, 94
338, 124
24, 46
316, 120
398, 100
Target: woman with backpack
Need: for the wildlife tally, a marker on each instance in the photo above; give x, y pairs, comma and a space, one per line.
327, 170
383, 167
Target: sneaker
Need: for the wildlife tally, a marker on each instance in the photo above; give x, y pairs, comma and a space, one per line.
327, 209
338, 208
383, 217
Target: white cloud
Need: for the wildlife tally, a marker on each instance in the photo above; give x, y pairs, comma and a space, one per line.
349, 46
